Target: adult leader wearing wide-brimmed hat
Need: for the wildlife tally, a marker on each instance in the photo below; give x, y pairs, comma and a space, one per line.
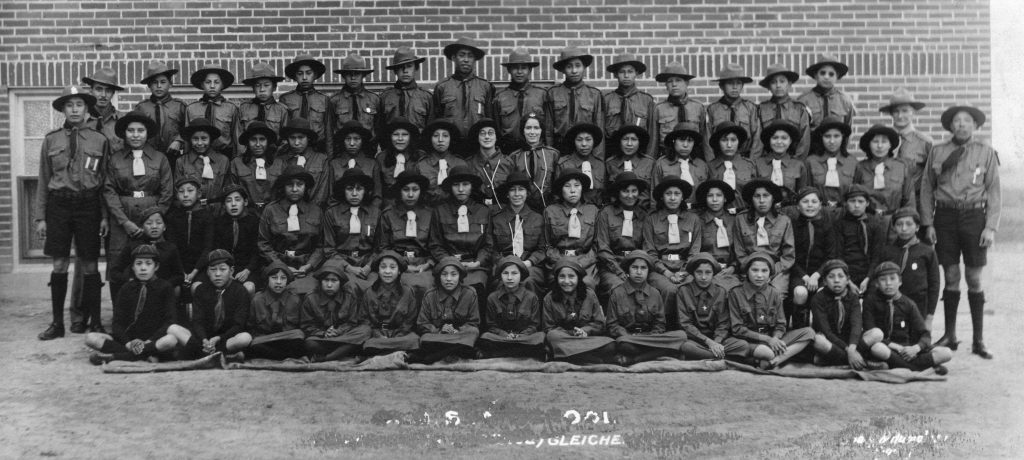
290, 228
619, 228
517, 100
915, 146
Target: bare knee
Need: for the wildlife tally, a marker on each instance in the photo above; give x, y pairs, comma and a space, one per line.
821, 344
872, 336
90, 266
238, 342
60, 264
250, 287
800, 295
180, 334
880, 351
942, 355
951, 273
763, 352
973, 275
95, 340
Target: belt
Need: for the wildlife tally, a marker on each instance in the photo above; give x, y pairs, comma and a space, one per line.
74, 194
354, 254
569, 252
136, 194
960, 205
203, 202
410, 254
670, 257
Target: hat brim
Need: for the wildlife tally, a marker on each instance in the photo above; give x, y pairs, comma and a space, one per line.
396, 190
252, 80
700, 197
616, 186
502, 190
750, 187
89, 81
639, 66
559, 182
769, 131
396, 65
453, 131
267, 131
123, 122
197, 77
742, 79
671, 137
288, 131
305, 176
570, 136
406, 125
717, 136
89, 99
792, 76
889, 108
841, 69
473, 179
530, 64
366, 71
169, 73
451, 50
586, 59
682, 185
318, 68
188, 131
339, 135
664, 76
947, 116
865, 141
843, 128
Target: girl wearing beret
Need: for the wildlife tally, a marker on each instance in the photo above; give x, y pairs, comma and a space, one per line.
274, 316
574, 320
636, 316
333, 319
513, 315
391, 307
449, 318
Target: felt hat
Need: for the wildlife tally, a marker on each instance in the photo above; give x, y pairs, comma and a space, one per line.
403, 264
136, 117
907, 211
449, 261
856, 190
219, 256
332, 268
143, 216
200, 124
305, 59
261, 70
684, 129
900, 96
187, 179
777, 69
257, 127
886, 268
750, 187
445, 124
403, 55
300, 126
947, 116
512, 259
572, 52
701, 258
464, 43
197, 77
828, 59
668, 182
401, 123
155, 69
700, 197
294, 172
520, 56
105, 76
354, 63
625, 179
515, 178
876, 130
733, 71
833, 264
760, 255
71, 92
570, 136
634, 255
780, 124
352, 176
832, 123
673, 69
349, 127
724, 128
473, 138
626, 59
566, 176
462, 173
232, 188
641, 133
278, 266
145, 251
407, 177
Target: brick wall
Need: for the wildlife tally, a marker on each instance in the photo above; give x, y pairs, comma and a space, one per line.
937, 48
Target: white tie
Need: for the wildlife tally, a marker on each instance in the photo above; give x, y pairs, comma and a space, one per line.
777, 173
300, 160
517, 237
261, 169
722, 236
351, 163
207, 169
138, 166
673, 229
832, 175
575, 227
442, 170
463, 220
410, 224
627, 224
293, 218
762, 233
399, 164
589, 171
684, 173
879, 176
730, 175
354, 226
627, 165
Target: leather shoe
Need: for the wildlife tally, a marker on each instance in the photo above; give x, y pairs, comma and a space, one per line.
979, 349
78, 328
946, 341
941, 370
97, 328
100, 358
54, 331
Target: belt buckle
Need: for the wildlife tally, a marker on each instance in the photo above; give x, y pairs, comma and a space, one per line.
260, 205
625, 253
138, 194
570, 252
671, 257
488, 201
289, 253
203, 201
354, 254
410, 254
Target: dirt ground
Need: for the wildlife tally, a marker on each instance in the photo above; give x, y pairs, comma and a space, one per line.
53, 403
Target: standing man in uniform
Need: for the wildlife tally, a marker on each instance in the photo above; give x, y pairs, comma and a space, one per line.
306, 102
573, 102
678, 108
960, 204
915, 146
263, 107
405, 99
354, 101
166, 110
520, 99
733, 107
103, 86
780, 106
463, 97
627, 105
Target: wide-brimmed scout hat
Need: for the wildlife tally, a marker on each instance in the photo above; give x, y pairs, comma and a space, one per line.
780, 124
869, 135
403, 55
686, 128
700, 197
634, 255
305, 59
462, 173
572, 52
515, 178
623, 180
673, 69
135, 117
763, 256
641, 133
200, 124
261, 70
512, 259
976, 113
702, 258
403, 264
828, 59
832, 123
733, 71
520, 56
568, 174
294, 172
464, 43
900, 96
155, 69
750, 187
408, 177
352, 176
103, 75
299, 125
668, 182
594, 130
626, 59
778, 69
354, 63
257, 127
724, 128
197, 77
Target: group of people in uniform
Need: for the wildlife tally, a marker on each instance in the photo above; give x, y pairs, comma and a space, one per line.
561, 223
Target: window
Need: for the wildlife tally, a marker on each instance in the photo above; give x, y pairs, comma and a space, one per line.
32, 117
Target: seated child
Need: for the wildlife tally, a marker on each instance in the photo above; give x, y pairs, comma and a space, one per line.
919, 265
636, 315
837, 318
151, 220
513, 315
334, 324
391, 307
449, 318
574, 320
274, 317
221, 308
236, 229
703, 314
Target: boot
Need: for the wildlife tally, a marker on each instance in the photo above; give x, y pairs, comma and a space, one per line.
950, 304
92, 287
58, 292
977, 302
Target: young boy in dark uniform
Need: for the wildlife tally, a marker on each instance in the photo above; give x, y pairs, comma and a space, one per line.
215, 109
825, 100
678, 108
167, 111
919, 266
188, 227
151, 223
354, 101
405, 98
307, 102
838, 321
262, 107
69, 205
573, 101
626, 105
778, 81
236, 228
221, 309
859, 235
464, 98
734, 108
519, 99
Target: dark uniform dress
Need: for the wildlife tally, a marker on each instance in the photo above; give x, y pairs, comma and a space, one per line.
220, 312
815, 242
675, 110
561, 317
509, 106
503, 232
716, 239
896, 189
429, 166
840, 320
794, 172
742, 112
315, 163
858, 240
222, 114
142, 315
703, 314
636, 320
274, 325
818, 169
567, 105
670, 255
781, 244
464, 100
169, 114
392, 310
612, 245
755, 315
539, 164
833, 101
493, 171
473, 244
390, 164
271, 112
128, 194
743, 171
245, 171
342, 312
408, 101
460, 309
642, 166
789, 109
239, 236
192, 164
413, 242
518, 312
598, 177
314, 106
919, 271
630, 107
663, 167
900, 322
343, 162
560, 244
347, 246
361, 105
294, 248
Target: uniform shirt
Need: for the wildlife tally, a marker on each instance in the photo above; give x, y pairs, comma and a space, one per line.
899, 185
235, 302
556, 231
744, 169
459, 308
503, 225
106, 123
225, 118
493, 171
975, 179
337, 241
318, 112
275, 115
464, 100
630, 107
342, 311
445, 239
170, 122
633, 310
516, 311
755, 314
340, 163
409, 101
611, 245
571, 312
742, 112
316, 164
815, 242
709, 236
170, 262
242, 171
364, 109
84, 170
243, 247
667, 116
858, 241
919, 272
794, 172
391, 234
656, 239
568, 105
509, 106
780, 239
898, 318
841, 328
294, 249
817, 170
158, 182
158, 311
429, 165
391, 308
597, 171
270, 313
839, 105
664, 167
191, 164
786, 108
643, 167
191, 231
914, 150
542, 173
386, 162
703, 313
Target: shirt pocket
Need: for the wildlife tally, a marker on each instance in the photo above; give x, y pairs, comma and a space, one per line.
448, 103
479, 105
666, 122
508, 106
559, 105
58, 159
317, 111
586, 108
